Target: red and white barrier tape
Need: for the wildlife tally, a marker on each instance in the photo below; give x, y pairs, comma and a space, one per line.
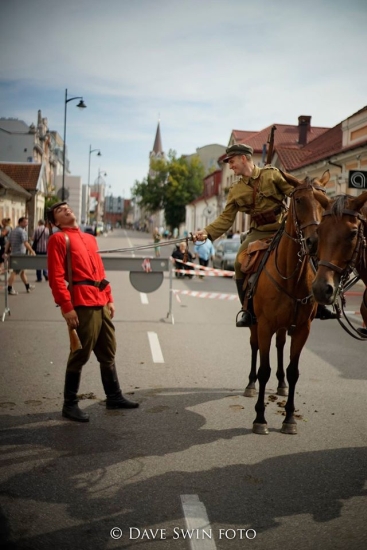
210, 295
203, 271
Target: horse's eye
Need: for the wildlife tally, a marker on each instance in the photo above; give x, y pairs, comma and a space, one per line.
352, 235
298, 200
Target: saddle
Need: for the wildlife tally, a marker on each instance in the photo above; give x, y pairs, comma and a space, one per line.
255, 258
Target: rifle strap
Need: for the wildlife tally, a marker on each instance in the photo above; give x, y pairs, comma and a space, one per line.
68, 267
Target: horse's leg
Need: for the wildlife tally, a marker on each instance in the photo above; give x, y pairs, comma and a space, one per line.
299, 339
250, 390
280, 342
263, 375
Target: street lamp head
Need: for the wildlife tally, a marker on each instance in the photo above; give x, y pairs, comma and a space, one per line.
81, 104
99, 154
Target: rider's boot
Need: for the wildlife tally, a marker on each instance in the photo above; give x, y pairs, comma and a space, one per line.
324, 313
247, 316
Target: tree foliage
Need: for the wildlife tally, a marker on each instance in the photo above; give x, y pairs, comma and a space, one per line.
175, 183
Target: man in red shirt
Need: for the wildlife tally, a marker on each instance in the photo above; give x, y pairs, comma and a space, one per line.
89, 310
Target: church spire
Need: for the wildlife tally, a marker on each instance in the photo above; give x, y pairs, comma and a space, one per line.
157, 147
157, 152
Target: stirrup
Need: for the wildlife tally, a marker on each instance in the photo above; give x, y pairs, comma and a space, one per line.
247, 319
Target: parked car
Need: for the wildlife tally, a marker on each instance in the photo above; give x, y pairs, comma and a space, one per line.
89, 229
225, 253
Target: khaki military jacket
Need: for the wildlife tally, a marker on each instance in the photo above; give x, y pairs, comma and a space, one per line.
241, 196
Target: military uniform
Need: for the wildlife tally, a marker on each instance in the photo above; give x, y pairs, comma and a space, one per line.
252, 195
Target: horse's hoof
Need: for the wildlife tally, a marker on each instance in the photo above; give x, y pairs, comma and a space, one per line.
282, 391
288, 428
260, 429
250, 392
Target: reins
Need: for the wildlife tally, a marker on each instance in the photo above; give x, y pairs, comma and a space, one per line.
303, 252
358, 257
361, 245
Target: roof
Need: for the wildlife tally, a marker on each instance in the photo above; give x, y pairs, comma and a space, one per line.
9, 184
25, 174
284, 135
13, 125
242, 135
327, 145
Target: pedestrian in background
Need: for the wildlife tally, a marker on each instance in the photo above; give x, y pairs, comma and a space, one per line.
157, 239
40, 241
205, 251
4, 235
89, 309
181, 253
18, 244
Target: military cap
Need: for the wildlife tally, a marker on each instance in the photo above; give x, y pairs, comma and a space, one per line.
50, 211
239, 149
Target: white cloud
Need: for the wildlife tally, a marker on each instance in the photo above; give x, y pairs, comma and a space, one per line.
206, 67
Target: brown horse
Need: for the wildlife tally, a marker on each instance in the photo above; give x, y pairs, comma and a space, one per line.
341, 247
283, 300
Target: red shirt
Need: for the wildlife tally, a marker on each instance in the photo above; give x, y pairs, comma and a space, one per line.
86, 264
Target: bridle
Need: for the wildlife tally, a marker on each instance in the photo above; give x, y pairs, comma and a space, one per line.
302, 253
358, 250
300, 239
357, 258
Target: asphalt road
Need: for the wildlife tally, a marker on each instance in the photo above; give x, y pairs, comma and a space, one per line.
187, 458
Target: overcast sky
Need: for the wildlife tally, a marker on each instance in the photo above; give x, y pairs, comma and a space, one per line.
204, 67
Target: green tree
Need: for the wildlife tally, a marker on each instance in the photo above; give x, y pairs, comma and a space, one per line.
175, 183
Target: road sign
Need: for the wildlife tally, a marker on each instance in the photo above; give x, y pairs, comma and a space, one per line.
357, 179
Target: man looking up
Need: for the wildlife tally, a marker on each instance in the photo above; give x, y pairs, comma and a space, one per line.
89, 310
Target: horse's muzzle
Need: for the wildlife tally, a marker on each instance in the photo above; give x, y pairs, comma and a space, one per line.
323, 291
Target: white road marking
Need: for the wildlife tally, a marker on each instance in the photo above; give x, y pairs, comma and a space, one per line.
130, 244
144, 298
155, 348
197, 522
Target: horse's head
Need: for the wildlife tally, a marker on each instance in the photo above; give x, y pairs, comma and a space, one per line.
340, 242
306, 209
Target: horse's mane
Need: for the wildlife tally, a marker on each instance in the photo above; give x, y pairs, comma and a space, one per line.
338, 204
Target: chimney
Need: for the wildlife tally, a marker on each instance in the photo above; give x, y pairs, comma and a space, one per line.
304, 126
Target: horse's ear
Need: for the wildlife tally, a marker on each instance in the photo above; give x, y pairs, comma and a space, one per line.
358, 202
321, 198
324, 178
290, 179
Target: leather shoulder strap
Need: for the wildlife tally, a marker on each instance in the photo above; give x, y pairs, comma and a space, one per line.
256, 190
68, 266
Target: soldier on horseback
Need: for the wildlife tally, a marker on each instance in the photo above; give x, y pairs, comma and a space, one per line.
261, 193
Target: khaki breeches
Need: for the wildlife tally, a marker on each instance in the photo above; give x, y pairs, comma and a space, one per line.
97, 334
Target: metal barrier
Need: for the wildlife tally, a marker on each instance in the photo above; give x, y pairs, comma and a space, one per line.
146, 274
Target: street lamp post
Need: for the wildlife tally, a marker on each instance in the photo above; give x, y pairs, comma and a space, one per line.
99, 197
81, 105
99, 154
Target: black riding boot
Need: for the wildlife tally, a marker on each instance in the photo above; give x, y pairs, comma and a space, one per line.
71, 409
324, 313
247, 318
115, 399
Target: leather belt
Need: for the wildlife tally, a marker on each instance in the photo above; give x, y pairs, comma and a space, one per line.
87, 282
